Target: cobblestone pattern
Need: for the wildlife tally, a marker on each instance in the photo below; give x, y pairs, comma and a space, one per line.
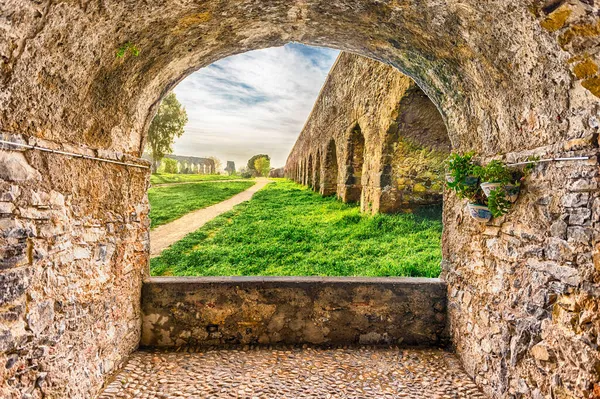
291, 373
293, 310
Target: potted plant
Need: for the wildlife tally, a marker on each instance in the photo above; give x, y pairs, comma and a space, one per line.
460, 175
495, 176
477, 207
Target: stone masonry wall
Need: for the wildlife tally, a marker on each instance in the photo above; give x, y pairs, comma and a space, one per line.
523, 288
253, 310
73, 247
508, 77
389, 139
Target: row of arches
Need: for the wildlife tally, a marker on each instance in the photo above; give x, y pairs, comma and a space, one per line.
321, 171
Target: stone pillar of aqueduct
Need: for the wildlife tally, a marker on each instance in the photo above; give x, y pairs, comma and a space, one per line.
510, 79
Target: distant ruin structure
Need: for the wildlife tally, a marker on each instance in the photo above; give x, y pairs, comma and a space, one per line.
189, 165
230, 168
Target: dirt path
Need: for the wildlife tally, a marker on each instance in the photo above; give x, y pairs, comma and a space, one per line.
163, 236
196, 182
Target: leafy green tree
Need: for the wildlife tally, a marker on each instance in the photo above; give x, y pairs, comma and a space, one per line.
218, 164
168, 123
251, 167
170, 165
262, 166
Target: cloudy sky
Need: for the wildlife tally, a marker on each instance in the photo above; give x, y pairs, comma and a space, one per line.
252, 103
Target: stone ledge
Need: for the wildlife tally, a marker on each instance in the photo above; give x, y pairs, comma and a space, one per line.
293, 310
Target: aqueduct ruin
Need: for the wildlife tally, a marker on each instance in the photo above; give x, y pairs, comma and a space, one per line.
374, 137
510, 78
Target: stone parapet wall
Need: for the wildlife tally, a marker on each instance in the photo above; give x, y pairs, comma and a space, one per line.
293, 310
73, 249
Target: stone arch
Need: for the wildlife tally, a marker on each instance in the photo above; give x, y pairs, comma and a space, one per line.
540, 97
317, 172
413, 154
330, 170
354, 161
309, 171
305, 172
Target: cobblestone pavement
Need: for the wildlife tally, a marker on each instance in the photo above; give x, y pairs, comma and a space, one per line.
293, 373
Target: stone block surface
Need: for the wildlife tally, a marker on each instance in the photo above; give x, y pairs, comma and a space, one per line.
293, 310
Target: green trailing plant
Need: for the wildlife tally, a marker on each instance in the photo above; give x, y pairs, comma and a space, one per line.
498, 202
495, 172
128, 48
530, 166
461, 177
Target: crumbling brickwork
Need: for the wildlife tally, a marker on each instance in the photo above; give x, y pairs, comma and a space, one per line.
372, 137
510, 78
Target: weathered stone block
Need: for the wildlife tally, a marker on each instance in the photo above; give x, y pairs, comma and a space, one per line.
13, 283
14, 167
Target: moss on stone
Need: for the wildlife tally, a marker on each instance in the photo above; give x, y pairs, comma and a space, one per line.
191, 20
579, 30
556, 19
585, 69
593, 85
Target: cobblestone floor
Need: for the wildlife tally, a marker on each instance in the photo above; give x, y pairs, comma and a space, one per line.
293, 373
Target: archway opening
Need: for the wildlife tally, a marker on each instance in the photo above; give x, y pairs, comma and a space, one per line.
330, 170
96, 103
310, 172
355, 159
317, 172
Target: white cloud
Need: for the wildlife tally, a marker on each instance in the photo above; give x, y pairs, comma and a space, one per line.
252, 103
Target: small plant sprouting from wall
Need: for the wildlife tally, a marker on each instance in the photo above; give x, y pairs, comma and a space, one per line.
128, 48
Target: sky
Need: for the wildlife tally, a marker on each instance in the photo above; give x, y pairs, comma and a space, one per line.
252, 103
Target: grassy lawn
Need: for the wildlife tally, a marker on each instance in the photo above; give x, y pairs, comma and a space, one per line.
161, 178
172, 202
287, 230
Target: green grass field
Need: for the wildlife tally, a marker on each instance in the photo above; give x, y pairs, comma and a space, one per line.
287, 230
161, 178
172, 202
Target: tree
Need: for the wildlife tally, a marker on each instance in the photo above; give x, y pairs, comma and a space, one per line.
218, 164
167, 124
251, 166
170, 165
262, 166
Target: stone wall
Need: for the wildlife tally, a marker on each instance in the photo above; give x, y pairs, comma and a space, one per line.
523, 289
508, 77
372, 137
73, 248
293, 310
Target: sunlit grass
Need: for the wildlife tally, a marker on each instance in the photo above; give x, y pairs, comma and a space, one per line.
161, 178
172, 202
288, 230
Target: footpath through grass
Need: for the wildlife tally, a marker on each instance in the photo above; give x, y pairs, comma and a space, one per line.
172, 202
287, 230
161, 178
